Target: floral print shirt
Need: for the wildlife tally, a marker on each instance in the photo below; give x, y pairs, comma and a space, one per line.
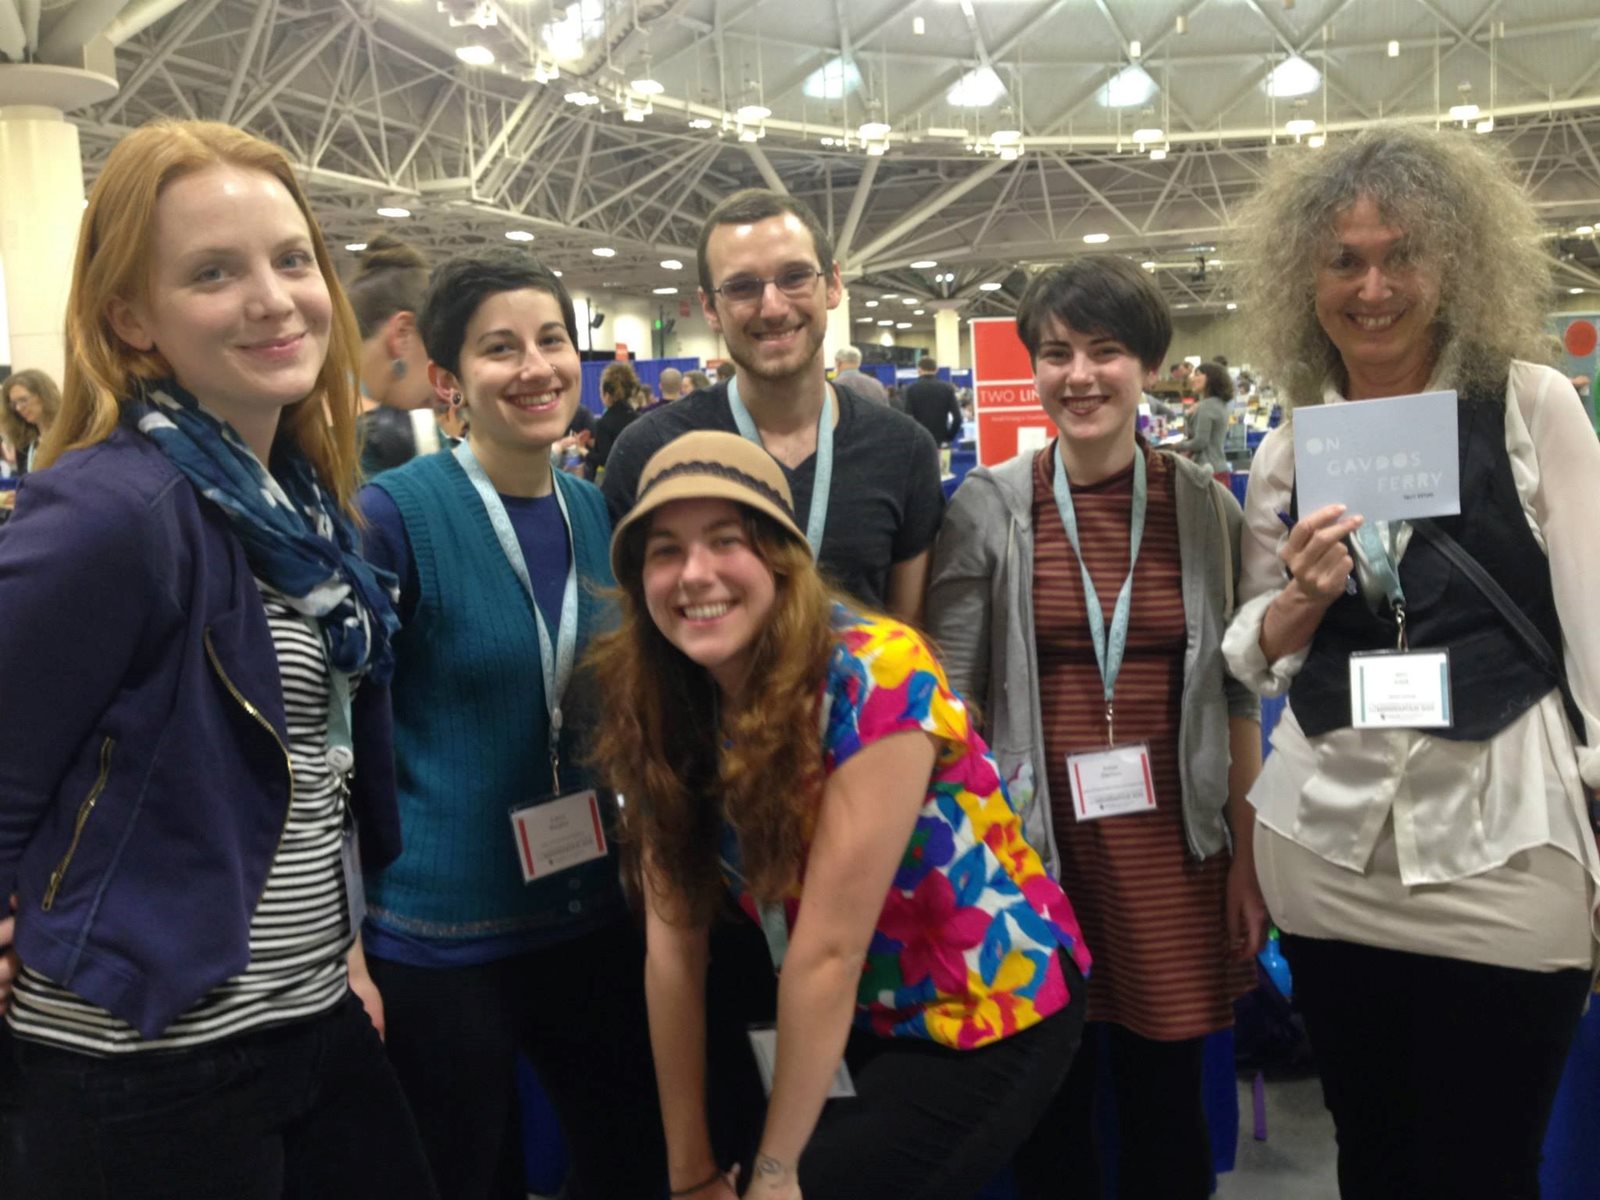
965, 949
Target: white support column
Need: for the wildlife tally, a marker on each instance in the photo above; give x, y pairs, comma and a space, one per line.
947, 337
41, 207
838, 335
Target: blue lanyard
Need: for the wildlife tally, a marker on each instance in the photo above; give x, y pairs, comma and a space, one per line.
1107, 652
1374, 546
555, 664
822, 480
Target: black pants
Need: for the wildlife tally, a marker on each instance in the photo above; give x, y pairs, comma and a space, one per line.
305, 1111
1163, 1150
577, 1011
1440, 1074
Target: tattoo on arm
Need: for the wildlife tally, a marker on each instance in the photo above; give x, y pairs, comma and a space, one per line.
767, 1167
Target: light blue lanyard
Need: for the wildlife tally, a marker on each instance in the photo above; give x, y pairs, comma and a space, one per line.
1107, 653
1374, 545
554, 664
822, 479
341, 745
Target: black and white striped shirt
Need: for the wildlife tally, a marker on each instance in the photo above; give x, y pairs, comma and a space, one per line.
299, 934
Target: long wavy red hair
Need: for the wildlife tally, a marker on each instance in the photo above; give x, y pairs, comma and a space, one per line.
684, 765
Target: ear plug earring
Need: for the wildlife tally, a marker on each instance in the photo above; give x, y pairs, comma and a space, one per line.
398, 368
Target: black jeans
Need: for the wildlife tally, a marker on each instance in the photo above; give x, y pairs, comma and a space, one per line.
305, 1111
577, 1011
1163, 1150
1440, 1074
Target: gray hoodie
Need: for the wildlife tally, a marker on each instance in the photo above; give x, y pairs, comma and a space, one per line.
980, 612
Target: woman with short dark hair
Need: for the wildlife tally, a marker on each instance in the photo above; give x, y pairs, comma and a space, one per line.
502, 925
1208, 424
1080, 593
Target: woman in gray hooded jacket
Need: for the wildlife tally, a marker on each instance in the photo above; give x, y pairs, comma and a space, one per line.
1079, 594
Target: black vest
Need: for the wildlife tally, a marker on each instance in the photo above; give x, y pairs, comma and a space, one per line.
1494, 677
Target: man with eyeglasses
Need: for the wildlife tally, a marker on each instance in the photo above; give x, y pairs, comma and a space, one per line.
767, 281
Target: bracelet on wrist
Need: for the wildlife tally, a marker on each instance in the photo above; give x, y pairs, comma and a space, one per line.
699, 1187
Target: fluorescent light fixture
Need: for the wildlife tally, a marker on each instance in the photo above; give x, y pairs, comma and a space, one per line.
701, 123
1135, 48
873, 131
1129, 88
1300, 126
886, 323
910, 300
671, 264
1096, 239
902, 324
832, 80
664, 291
603, 252
750, 113
394, 212
871, 304
475, 55
1294, 76
863, 320
518, 235
1574, 291
1147, 135
355, 247
1394, 49
919, 312
978, 88
1158, 153
1463, 112
990, 286
924, 264
889, 296
918, 26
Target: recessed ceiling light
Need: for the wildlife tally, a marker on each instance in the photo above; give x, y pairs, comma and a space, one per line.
923, 264
1232, 306
871, 304
557, 274
1094, 239
518, 235
902, 324
603, 252
355, 247
863, 320
1574, 291
394, 212
910, 300
921, 312
1394, 49
1316, 141
1148, 264
990, 287
889, 296
885, 322
475, 56
664, 291
671, 264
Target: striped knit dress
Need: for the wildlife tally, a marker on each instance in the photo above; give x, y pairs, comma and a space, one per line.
1153, 918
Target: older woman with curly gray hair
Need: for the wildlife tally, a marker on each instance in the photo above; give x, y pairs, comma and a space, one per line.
1436, 886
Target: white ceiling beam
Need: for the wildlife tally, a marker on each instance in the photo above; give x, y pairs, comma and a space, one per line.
257, 23
764, 165
198, 11
932, 207
292, 69
858, 204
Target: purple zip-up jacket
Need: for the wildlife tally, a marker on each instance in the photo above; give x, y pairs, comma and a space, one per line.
144, 775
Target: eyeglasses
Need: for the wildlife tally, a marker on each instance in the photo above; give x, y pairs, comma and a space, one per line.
747, 289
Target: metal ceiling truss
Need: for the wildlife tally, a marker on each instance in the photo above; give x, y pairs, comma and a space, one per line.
372, 112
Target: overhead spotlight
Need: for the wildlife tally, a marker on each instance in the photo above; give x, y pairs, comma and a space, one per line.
871, 304
645, 85
991, 286
1575, 291
1095, 239
394, 212
1158, 154
1581, 231
918, 26
877, 149
1463, 112
1316, 141
863, 320
749, 133
1231, 306
355, 247
475, 55
1486, 125
603, 252
889, 296
1300, 126
910, 300
518, 235
664, 291
1135, 48
753, 112
886, 323
919, 312
557, 274
1394, 49
1181, 24
671, 264
873, 131
701, 123
902, 324
1148, 264
924, 264
1148, 134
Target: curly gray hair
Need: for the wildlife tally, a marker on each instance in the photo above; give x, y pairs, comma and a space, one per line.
1466, 219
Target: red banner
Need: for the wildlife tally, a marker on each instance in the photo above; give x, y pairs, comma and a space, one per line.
1005, 402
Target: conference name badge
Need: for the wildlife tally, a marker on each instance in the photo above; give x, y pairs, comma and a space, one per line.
1392, 689
1110, 783
764, 1045
558, 833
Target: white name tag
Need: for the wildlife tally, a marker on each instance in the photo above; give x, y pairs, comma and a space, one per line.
1108, 783
764, 1042
560, 833
1391, 690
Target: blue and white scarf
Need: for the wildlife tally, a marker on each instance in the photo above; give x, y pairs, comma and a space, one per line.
295, 537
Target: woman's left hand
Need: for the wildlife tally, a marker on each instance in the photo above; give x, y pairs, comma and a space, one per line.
774, 1184
1247, 910
365, 989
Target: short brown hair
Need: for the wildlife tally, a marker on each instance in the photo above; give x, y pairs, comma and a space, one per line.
1099, 293
759, 204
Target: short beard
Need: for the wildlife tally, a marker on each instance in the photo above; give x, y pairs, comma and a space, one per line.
755, 371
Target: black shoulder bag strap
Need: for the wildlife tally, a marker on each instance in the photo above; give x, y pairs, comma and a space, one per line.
1524, 628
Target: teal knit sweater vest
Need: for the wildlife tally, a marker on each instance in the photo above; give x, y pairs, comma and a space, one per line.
471, 728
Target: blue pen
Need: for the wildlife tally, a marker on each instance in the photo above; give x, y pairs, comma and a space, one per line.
1287, 523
